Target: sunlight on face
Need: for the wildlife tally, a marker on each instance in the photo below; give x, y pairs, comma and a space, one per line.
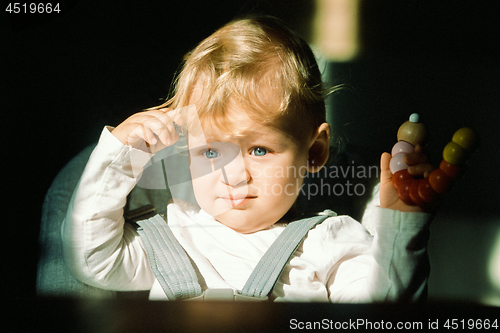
247, 182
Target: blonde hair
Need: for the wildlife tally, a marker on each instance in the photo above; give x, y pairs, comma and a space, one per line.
256, 65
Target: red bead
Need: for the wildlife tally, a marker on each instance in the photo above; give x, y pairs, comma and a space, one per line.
403, 192
440, 181
399, 177
414, 193
425, 191
451, 170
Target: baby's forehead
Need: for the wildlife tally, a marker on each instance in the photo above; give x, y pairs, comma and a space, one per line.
246, 132
236, 121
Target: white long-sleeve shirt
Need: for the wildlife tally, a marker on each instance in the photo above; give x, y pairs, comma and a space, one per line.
338, 261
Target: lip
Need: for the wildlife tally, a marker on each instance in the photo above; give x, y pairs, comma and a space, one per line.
237, 201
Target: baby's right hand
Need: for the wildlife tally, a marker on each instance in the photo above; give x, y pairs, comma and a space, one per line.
147, 127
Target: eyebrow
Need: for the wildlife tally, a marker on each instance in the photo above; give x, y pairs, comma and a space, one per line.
258, 138
213, 138
227, 137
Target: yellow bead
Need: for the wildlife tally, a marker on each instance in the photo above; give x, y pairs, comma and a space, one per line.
454, 154
465, 138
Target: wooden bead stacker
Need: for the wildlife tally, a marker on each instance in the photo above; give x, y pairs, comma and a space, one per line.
425, 191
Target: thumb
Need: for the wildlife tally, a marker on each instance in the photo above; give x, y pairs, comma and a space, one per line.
385, 170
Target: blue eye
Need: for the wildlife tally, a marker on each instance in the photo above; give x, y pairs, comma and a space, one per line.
210, 153
259, 151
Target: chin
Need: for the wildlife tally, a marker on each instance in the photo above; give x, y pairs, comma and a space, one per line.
244, 224
246, 229
237, 223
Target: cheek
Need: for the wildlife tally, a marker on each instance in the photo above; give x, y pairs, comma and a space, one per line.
279, 182
203, 186
292, 181
291, 188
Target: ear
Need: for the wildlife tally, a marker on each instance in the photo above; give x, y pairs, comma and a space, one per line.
319, 148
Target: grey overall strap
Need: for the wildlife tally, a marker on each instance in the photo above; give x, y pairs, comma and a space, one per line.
168, 260
269, 268
175, 273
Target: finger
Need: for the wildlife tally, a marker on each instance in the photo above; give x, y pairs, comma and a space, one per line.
172, 134
415, 158
167, 134
171, 115
163, 127
144, 117
141, 132
170, 118
181, 116
164, 116
419, 148
385, 170
421, 170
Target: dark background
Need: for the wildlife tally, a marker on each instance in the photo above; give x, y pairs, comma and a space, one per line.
64, 76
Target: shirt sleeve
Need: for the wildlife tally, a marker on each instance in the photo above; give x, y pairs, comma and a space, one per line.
99, 248
396, 266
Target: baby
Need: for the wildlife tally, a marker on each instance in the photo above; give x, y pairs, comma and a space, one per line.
250, 102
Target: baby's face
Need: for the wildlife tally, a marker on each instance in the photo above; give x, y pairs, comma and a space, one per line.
247, 183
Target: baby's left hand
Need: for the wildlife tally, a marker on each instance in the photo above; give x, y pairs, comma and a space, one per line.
419, 165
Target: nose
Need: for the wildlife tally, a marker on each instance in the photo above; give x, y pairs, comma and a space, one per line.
235, 173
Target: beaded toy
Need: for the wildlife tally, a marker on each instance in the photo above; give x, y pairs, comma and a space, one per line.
425, 191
